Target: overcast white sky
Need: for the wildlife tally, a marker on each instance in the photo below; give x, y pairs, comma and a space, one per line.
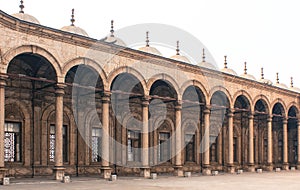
265, 33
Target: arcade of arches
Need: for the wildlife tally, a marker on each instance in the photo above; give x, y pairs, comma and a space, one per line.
125, 124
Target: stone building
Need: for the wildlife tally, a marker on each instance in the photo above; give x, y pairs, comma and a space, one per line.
210, 120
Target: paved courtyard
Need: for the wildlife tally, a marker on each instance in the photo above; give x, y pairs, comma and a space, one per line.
280, 180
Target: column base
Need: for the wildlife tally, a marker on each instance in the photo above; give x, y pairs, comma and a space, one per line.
178, 171
3, 173
285, 166
106, 172
298, 166
145, 172
269, 167
230, 169
251, 168
59, 173
206, 170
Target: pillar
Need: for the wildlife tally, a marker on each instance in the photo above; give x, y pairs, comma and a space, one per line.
2, 123
206, 170
59, 170
145, 139
230, 165
270, 144
105, 169
285, 145
178, 138
251, 144
298, 147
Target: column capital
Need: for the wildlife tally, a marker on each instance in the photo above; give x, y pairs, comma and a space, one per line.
145, 101
251, 115
3, 79
269, 119
178, 105
60, 89
230, 112
284, 121
105, 97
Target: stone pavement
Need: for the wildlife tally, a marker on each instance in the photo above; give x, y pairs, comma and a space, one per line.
268, 180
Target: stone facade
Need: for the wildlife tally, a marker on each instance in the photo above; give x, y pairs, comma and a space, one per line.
230, 122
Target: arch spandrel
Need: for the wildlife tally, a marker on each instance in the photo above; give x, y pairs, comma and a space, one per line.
9, 55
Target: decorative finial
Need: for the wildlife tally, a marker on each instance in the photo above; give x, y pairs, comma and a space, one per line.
147, 39
225, 62
112, 28
203, 55
292, 83
262, 73
72, 18
277, 78
245, 68
177, 49
21, 7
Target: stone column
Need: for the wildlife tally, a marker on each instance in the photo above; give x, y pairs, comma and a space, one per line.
298, 147
206, 170
58, 169
285, 145
2, 123
105, 169
178, 138
270, 144
230, 165
145, 139
251, 144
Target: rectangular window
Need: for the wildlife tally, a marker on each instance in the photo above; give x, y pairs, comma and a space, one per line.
265, 150
190, 147
164, 150
12, 142
52, 139
96, 144
133, 146
280, 151
235, 149
213, 148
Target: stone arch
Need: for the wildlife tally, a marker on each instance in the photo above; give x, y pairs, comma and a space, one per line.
265, 100
246, 95
8, 56
281, 102
225, 91
89, 62
189, 121
196, 84
293, 105
166, 78
129, 70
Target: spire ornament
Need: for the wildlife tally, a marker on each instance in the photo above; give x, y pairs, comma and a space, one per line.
225, 61
177, 49
277, 78
72, 18
112, 28
147, 39
203, 55
245, 68
262, 73
292, 83
21, 7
